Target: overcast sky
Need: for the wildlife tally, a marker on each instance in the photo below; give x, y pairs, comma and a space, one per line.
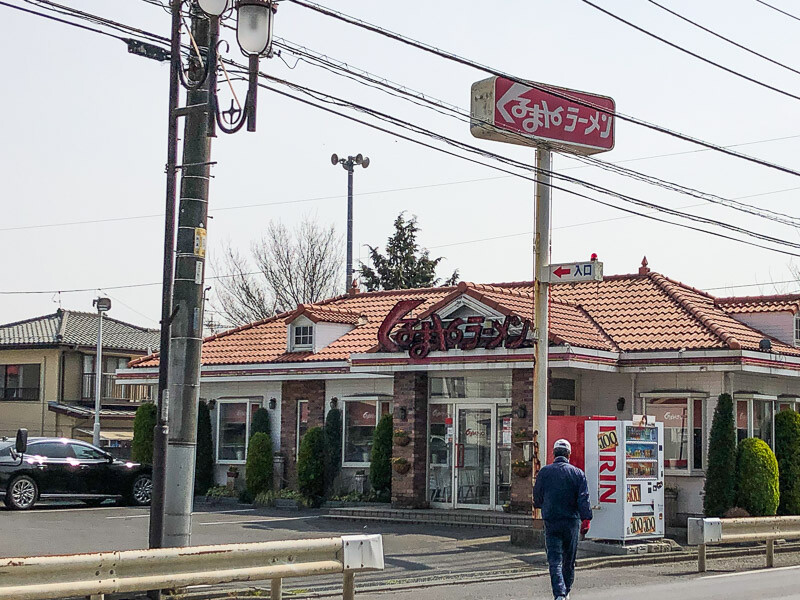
84, 139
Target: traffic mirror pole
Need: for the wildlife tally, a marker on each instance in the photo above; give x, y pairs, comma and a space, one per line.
541, 285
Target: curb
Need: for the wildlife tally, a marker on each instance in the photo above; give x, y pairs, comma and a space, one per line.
499, 574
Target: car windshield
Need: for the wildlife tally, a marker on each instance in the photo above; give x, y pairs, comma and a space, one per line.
5, 448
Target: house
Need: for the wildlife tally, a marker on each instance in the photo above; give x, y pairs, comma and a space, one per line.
453, 365
47, 377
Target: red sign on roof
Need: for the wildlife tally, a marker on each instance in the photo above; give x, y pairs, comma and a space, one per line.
542, 114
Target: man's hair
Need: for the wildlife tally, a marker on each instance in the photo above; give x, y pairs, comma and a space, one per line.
560, 452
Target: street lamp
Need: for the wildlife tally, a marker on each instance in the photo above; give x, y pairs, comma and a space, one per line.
103, 305
348, 164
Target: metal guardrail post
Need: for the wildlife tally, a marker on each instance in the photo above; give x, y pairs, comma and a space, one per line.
701, 558
770, 553
276, 589
348, 586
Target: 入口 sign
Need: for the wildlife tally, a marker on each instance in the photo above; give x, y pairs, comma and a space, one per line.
575, 271
539, 114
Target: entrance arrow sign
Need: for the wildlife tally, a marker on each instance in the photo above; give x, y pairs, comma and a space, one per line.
591, 270
560, 271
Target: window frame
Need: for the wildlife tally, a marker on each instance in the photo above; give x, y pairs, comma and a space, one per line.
250, 402
297, 438
796, 324
775, 401
379, 401
20, 366
689, 398
296, 329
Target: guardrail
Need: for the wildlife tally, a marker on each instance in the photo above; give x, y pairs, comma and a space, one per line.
97, 574
703, 532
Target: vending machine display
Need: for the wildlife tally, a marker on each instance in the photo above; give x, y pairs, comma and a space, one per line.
625, 471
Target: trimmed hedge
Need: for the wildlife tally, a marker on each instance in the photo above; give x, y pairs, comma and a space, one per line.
260, 422
757, 478
143, 425
787, 452
258, 470
204, 452
311, 466
333, 448
380, 467
720, 485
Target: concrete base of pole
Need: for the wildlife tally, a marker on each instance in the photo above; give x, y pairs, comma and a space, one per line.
179, 496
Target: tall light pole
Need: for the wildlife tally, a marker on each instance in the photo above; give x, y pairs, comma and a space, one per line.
348, 164
103, 305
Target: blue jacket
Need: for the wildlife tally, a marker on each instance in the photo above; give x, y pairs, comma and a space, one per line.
561, 492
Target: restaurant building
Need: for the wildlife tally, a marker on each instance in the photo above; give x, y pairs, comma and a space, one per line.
454, 366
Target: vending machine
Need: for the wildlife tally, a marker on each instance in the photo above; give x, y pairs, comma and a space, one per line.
625, 471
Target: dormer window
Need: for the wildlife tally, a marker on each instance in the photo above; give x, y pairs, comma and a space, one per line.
303, 337
797, 330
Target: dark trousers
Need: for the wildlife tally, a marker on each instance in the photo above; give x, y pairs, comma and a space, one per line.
561, 543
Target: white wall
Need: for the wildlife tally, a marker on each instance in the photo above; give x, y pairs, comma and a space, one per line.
776, 324
327, 333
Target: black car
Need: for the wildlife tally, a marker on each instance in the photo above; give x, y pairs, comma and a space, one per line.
59, 468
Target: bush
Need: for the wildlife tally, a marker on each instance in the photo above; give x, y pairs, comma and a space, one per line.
204, 452
787, 452
720, 477
757, 478
311, 466
333, 448
260, 423
221, 491
258, 473
380, 467
143, 425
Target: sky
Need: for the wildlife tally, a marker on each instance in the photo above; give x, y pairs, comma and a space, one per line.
84, 145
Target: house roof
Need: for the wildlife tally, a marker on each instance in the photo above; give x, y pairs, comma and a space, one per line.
631, 313
327, 314
69, 327
758, 304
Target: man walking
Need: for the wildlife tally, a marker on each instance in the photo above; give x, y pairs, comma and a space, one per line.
562, 494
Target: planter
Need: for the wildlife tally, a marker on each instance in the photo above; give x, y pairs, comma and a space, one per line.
521, 470
402, 440
401, 466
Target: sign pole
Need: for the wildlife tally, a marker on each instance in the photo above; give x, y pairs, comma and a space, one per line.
541, 257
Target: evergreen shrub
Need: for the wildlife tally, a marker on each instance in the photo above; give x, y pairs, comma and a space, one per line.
720, 488
380, 467
311, 466
204, 452
757, 478
787, 452
258, 471
143, 425
333, 448
260, 422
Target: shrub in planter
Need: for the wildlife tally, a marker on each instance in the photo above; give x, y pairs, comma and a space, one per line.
311, 466
204, 452
720, 484
333, 448
258, 472
521, 468
401, 437
143, 424
380, 466
260, 422
757, 478
787, 451
401, 465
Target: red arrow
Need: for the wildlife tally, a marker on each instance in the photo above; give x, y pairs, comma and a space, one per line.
561, 271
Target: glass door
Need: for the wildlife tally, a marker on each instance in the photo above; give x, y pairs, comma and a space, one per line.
440, 455
473, 464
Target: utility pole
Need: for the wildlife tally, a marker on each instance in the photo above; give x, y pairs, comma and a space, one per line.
187, 324
541, 285
348, 164
103, 305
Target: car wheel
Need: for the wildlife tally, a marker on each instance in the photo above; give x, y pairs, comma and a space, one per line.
22, 493
141, 490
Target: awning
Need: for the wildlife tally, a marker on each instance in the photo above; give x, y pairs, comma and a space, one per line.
109, 436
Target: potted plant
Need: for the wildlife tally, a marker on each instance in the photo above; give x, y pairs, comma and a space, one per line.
521, 468
401, 437
520, 435
233, 472
401, 465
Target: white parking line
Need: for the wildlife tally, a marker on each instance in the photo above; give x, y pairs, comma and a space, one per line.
264, 520
145, 515
755, 572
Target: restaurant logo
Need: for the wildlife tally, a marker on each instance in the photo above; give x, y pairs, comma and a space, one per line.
607, 457
421, 337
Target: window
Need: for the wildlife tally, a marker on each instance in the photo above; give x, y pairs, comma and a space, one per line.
19, 382
683, 430
741, 420
233, 429
87, 452
51, 450
302, 422
483, 385
561, 397
755, 416
797, 330
303, 337
360, 418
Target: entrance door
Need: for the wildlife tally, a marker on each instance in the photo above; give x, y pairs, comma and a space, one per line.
473, 472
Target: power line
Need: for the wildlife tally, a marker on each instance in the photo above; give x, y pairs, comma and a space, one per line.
690, 53
65, 22
779, 10
722, 37
470, 63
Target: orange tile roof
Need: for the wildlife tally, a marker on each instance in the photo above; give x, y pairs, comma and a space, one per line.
753, 304
644, 312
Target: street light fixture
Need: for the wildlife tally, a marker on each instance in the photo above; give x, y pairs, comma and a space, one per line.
103, 305
348, 164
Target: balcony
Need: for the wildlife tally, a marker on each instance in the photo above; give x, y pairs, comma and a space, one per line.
113, 393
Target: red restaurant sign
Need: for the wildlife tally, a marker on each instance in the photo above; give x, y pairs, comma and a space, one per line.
573, 121
420, 337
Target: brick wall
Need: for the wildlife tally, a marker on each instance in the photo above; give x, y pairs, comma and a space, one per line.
521, 393
292, 391
411, 394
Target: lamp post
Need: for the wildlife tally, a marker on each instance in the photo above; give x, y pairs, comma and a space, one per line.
175, 434
103, 305
348, 164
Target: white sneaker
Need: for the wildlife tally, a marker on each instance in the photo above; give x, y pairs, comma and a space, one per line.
561, 598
